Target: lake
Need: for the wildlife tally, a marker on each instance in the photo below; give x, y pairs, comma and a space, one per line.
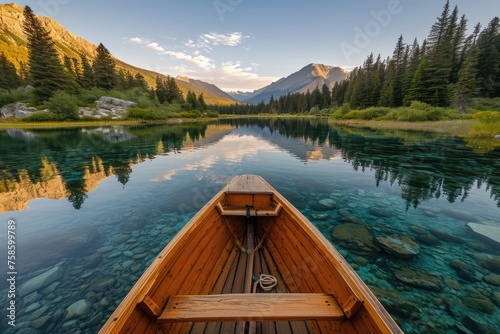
92, 207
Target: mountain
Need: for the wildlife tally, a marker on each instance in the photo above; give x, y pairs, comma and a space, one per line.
201, 86
308, 78
13, 45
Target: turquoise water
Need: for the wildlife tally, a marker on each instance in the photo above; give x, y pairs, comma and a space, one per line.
93, 207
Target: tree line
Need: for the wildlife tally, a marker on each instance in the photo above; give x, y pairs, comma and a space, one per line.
50, 74
447, 69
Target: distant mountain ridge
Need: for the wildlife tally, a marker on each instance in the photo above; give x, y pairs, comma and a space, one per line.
13, 45
307, 78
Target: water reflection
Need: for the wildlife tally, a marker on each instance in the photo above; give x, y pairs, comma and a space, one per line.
72, 162
135, 194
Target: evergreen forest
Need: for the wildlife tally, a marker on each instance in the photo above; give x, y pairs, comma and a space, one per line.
454, 70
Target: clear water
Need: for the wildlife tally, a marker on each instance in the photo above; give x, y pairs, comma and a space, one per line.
92, 208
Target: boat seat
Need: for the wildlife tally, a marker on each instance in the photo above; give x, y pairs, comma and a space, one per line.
252, 307
242, 211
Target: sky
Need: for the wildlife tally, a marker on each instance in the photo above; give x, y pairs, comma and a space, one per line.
247, 44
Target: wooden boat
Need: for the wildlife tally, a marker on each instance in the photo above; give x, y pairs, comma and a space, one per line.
249, 262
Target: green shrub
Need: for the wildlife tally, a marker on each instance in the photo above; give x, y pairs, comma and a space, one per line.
487, 116
64, 106
212, 114
342, 111
367, 114
8, 97
417, 105
41, 116
191, 114
141, 113
89, 96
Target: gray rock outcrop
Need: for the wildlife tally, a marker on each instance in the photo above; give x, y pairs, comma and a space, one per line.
111, 106
16, 110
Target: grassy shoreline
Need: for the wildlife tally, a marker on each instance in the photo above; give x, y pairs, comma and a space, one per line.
454, 127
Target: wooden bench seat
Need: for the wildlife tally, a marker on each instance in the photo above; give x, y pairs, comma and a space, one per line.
251, 307
242, 211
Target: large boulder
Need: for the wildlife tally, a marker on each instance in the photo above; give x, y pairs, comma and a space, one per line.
111, 106
16, 110
355, 237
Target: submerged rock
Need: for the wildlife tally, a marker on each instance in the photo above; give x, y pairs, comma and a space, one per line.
481, 305
378, 212
400, 246
427, 239
492, 279
446, 237
41, 281
419, 280
355, 237
77, 309
459, 215
488, 261
476, 325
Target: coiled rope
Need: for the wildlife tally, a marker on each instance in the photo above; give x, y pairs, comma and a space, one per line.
267, 282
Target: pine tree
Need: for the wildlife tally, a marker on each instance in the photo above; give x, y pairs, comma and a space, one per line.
201, 102
413, 62
140, 82
161, 90
87, 78
467, 86
103, 69
488, 44
440, 58
191, 100
326, 96
45, 69
173, 92
8, 74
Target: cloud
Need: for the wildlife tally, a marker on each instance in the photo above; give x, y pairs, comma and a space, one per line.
156, 47
228, 75
137, 40
207, 41
198, 59
233, 39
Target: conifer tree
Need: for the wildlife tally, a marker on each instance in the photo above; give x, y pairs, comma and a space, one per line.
411, 69
488, 44
87, 78
45, 69
191, 100
140, 82
8, 74
467, 86
161, 90
103, 69
201, 102
172, 90
326, 96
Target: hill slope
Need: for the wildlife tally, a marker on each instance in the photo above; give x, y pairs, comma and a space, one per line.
13, 45
308, 78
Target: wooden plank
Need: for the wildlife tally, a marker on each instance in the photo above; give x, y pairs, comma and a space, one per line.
248, 184
251, 307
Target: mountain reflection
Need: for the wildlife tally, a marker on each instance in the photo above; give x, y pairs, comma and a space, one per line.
70, 163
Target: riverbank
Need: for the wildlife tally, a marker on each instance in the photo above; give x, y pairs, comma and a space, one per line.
454, 127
